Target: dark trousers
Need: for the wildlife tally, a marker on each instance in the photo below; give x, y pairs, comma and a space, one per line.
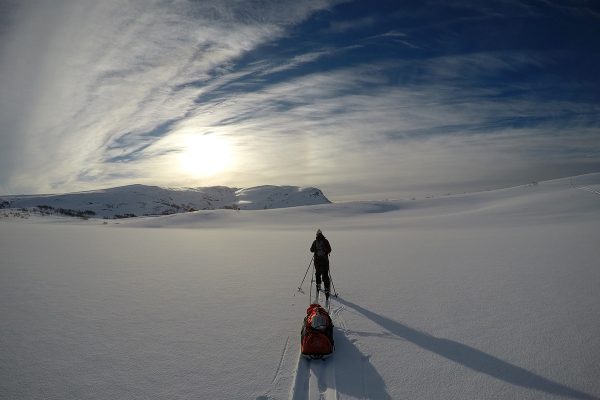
322, 272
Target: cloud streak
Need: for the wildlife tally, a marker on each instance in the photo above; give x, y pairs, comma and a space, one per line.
79, 77
308, 93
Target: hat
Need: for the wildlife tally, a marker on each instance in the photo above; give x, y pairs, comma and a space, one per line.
319, 232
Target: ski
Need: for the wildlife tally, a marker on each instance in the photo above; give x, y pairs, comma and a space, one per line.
316, 299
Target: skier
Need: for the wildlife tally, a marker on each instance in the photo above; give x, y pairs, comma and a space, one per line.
321, 249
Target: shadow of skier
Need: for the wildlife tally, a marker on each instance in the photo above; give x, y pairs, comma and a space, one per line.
470, 357
355, 376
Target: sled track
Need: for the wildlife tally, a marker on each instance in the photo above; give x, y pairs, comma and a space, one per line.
315, 379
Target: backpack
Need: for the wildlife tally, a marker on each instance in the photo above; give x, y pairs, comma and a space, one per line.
320, 248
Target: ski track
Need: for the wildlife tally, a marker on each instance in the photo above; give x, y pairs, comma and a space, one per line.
321, 384
279, 374
589, 189
283, 352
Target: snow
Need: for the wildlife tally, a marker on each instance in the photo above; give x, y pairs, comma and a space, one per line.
140, 200
490, 295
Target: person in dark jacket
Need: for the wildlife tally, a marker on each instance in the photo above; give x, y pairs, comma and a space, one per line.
321, 249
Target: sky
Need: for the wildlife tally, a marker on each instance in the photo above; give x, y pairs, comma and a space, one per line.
363, 99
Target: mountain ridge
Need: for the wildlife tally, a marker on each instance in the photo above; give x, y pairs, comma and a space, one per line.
144, 200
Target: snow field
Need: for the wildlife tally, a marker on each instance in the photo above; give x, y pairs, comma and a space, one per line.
491, 295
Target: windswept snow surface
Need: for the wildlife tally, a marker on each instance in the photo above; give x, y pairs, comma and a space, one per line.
491, 295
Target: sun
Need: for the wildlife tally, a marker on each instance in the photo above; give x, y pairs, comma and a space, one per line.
204, 156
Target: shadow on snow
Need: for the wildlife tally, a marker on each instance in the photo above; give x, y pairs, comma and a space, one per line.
469, 357
354, 373
355, 376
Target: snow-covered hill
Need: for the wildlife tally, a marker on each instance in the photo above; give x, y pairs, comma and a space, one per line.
140, 200
491, 295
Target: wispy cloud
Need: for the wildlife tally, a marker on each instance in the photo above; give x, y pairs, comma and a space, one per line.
81, 76
97, 94
351, 122
296, 61
348, 116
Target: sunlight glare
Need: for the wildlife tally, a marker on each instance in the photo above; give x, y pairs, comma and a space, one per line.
206, 155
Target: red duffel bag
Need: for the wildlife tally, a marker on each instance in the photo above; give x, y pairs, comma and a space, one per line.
317, 333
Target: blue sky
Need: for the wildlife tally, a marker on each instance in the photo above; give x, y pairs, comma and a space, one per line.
364, 99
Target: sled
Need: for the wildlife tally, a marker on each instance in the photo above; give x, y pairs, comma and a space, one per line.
317, 333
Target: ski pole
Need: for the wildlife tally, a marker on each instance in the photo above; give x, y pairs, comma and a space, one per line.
306, 273
312, 279
332, 285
